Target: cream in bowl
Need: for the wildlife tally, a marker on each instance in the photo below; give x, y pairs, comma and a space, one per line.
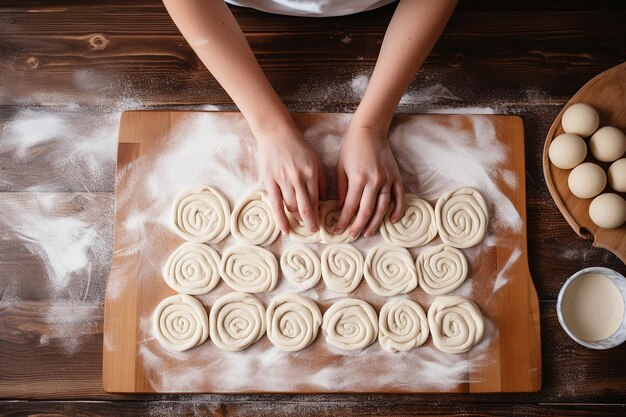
590, 307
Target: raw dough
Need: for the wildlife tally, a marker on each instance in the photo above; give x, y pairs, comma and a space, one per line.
416, 228
617, 175
249, 269
329, 215
237, 320
586, 180
201, 214
461, 217
402, 326
180, 322
292, 322
441, 269
592, 307
302, 266
608, 211
607, 144
389, 270
299, 231
456, 323
342, 267
253, 220
350, 324
193, 268
580, 119
567, 151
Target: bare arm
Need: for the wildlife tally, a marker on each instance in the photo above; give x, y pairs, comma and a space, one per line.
288, 165
368, 176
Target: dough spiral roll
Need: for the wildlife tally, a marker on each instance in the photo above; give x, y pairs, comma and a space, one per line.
237, 320
201, 214
301, 266
292, 322
193, 268
299, 231
350, 324
180, 322
416, 228
249, 269
389, 270
455, 323
342, 267
253, 220
329, 215
461, 217
441, 269
402, 326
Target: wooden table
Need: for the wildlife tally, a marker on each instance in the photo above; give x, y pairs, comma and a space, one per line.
82, 63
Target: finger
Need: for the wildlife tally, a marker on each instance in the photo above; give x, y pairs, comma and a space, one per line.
366, 209
382, 204
289, 196
276, 201
321, 181
397, 192
313, 193
305, 209
342, 188
350, 207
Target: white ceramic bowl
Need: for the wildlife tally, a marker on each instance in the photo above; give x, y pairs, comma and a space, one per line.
616, 338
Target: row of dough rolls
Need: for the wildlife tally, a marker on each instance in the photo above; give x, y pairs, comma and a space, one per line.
202, 214
291, 321
196, 268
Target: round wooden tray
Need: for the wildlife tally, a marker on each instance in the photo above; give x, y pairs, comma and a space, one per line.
607, 93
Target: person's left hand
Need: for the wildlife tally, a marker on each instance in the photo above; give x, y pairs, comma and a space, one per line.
368, 180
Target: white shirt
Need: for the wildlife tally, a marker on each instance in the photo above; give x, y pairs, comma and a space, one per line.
313, 8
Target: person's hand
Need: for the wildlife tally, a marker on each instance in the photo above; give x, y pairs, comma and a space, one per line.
292, 174
368, 180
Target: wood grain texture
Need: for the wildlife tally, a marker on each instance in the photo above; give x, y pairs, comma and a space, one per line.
607, 94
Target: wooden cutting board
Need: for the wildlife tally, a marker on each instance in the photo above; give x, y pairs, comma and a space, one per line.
606, 93
161, 151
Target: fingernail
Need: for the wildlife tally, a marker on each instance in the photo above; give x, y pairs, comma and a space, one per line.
338, 230
367, 234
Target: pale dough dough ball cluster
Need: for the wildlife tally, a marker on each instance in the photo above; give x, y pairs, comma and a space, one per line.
567, 151
607, 144
608, 210
441, 269
416, 228
301, 266
455, 323
342, 267
389, 270
350, 324
292, 322
586, 180
402, 326
249, 269
617, 175
193, 268
329, 215
180, 322
253, 220
461, 217
237, 320
580, 119
201, 214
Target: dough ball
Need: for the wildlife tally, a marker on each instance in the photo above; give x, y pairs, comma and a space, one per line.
567, 151
586, 180
580, 119
608, 210
607, 144
617, 175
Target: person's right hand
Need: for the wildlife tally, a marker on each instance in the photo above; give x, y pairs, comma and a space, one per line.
292, 174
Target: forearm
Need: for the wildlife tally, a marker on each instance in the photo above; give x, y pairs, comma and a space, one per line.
412, 33
214, 34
